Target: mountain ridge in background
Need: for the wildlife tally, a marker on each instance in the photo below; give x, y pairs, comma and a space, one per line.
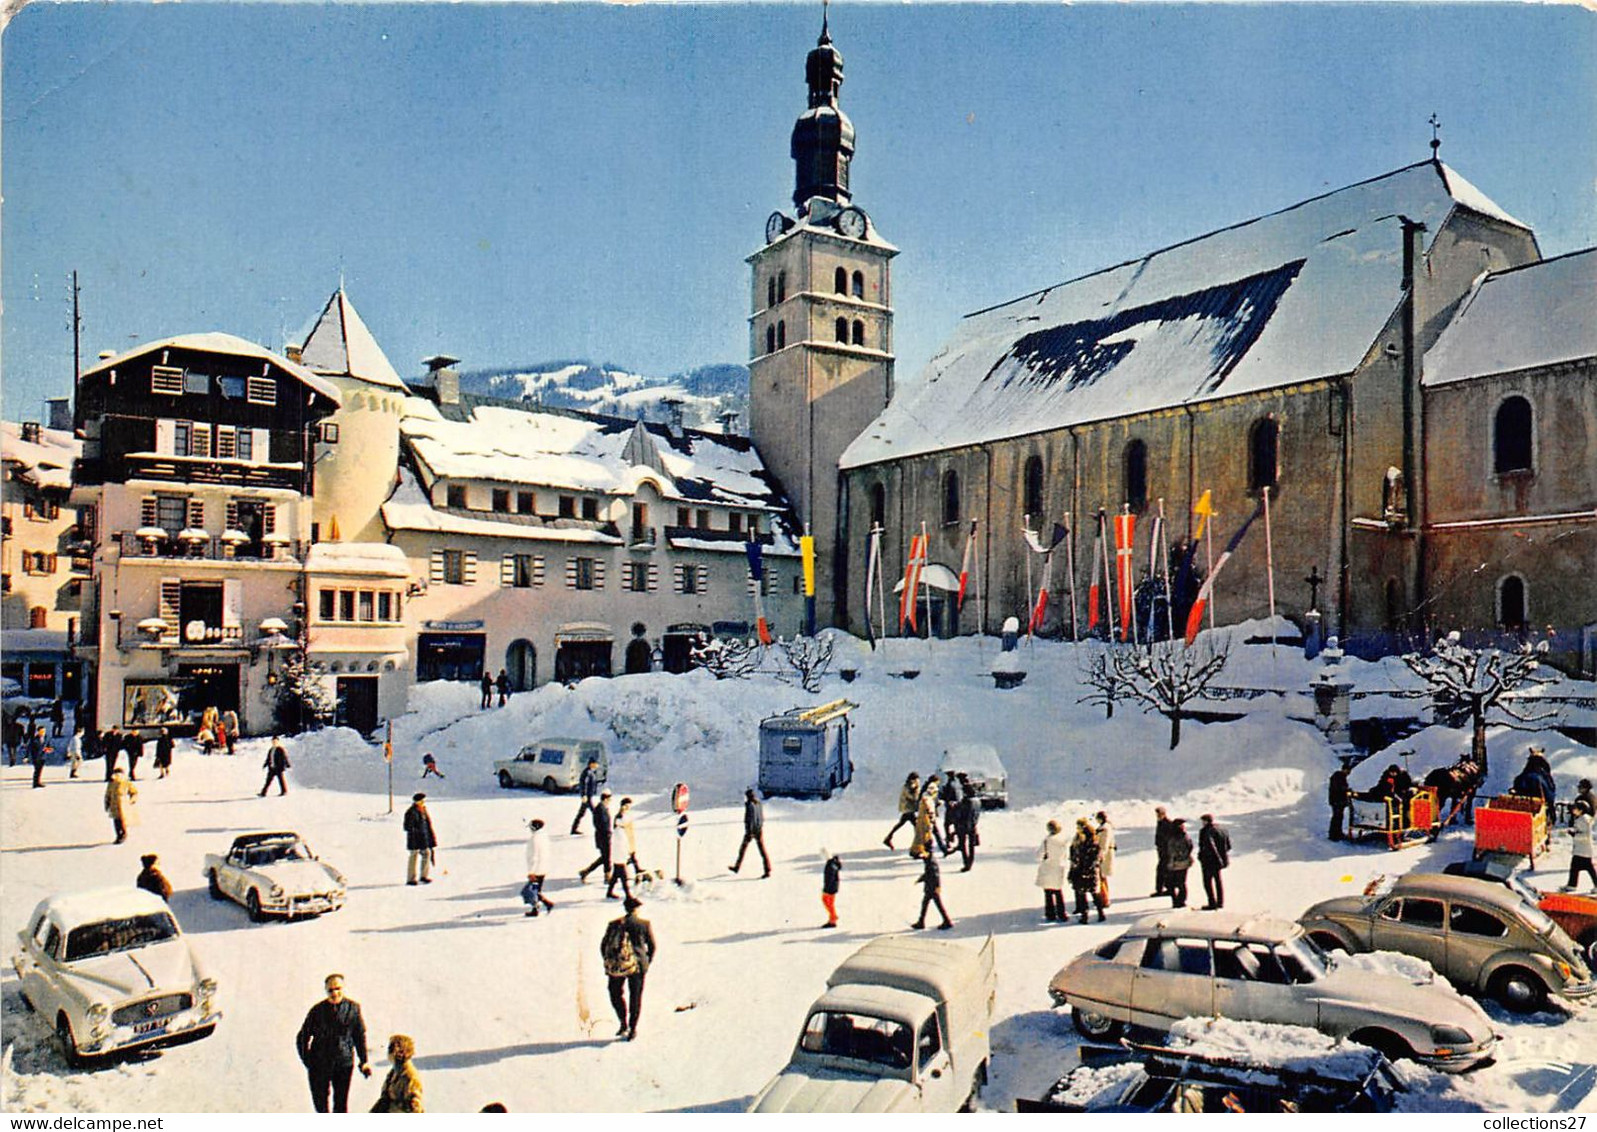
706, 392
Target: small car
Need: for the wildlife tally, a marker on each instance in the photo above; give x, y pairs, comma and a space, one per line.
111, 971
1186, 963
1484, 937
554, 764
980, 763
1575, 912
275, 874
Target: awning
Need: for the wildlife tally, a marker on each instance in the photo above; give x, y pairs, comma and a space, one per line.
583, 631
936, 576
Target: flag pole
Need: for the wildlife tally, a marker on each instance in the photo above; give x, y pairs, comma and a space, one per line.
1111, 575
1208, 558
1031, 591
1269, 566
1131, 576
926, 560
1070, 567
1164, 558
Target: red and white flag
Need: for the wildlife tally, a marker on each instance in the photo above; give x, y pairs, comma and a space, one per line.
912, 569
1095, 586
1125, 529
964, 568
1195, 618
1040, 609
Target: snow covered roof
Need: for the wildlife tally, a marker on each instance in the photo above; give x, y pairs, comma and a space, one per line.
340, 345
16, 643
358, 558
1295, 295
409, 509
1536, 315
216, 342
94, 905
45, 463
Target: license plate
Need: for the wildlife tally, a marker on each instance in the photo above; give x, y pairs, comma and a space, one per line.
154, 1027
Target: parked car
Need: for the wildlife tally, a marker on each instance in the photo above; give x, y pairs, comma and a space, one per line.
804, 752
1187, 963
902, 1027
1484, 937
1297, 1071
554, 764
980, 763
1575, 912
111, 971
274, 874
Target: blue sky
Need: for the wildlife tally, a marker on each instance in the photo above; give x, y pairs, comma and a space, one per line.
513, 183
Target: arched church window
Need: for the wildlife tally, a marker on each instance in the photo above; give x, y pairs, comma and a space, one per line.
781, 286
840, 281
842, 330
1136, 476
1511, 437
859, 333
1511, 611
770, 291
781, 335
770, 339
950, 496
878, 505
1262, 454
859, 284
1031, 491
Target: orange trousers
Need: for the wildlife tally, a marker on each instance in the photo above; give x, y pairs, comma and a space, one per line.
829, 902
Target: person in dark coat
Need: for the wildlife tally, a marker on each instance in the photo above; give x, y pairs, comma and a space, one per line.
966, 814
420, 840
950, 796
1214, 856
1339, 795
604, 842
57, 717
487, 689
163, 753
331, 1042
276, 763
831, 881
1178, 862
627, 949
588, 788
36, 756
1162, 829
503, 686
13, 739
931, 882
1536, 780
753, 831
152, 879
1083, 874
110, 748
134, 746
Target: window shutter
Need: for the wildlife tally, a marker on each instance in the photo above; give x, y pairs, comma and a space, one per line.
201, 443
654, 577
571, 573
52, 559
627, 569
170, 601
261, 446
232, 515
147, 514
468, 568
507, 570
165, 433
704, 578
598, 573
437, 569
232, 602
196, 516
268, 518
676, 578
537, 570
27, 509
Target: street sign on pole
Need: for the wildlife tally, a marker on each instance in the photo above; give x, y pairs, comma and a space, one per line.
679, 803
388, 757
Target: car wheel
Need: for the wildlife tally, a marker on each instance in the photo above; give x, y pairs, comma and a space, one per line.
215, 886
1099, 1027
505, 780
550, 786
1518, 990
69, 1047
1588, 944
978, 1081
1383, 1042
252, 903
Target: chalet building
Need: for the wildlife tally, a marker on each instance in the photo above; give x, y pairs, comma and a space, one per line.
197, 475
43, 564
554, 544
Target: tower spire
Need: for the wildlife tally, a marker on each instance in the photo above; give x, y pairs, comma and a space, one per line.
823, 137
1436, 139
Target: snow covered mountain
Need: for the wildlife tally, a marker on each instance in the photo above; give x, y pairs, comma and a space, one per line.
706, 392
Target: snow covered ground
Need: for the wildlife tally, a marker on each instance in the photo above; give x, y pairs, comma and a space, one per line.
513, 1009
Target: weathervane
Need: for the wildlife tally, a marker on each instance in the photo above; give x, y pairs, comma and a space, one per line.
1436, 141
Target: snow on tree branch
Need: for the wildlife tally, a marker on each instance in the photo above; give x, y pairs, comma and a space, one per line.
807, 658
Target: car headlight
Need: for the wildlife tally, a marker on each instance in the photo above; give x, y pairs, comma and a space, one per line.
338, 877
277, 892
1450, 1036
205, 988
97, 1012
1565, 971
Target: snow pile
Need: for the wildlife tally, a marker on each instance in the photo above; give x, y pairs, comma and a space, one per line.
1294, 1048
1392, 963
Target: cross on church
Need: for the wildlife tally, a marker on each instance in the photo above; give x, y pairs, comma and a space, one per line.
1314, 582
1436, 141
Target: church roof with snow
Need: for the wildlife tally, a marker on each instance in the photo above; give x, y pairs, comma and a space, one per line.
1540, 314
339, 345
1295, 295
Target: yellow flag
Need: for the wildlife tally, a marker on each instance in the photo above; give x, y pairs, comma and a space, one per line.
1203, 509
807, 549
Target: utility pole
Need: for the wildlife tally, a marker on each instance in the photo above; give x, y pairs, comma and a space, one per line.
77, 336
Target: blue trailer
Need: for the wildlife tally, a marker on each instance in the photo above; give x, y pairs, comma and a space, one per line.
804, 752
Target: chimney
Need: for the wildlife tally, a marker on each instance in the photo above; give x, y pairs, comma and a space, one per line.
59, 413
30, 432
294, 352
729, 421
673, 413
445, 381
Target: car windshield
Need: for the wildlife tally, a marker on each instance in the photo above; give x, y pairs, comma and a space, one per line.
858, 1037
1303, 959
270, 852
121, 934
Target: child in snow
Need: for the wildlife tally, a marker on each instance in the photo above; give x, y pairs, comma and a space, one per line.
429, 765
830, 879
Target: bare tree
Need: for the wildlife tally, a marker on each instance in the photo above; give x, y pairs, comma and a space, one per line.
808, 658
1467, 684
1099, 674
727, 659
1163, 677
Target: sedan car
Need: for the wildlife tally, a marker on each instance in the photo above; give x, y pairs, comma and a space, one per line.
274, 874
1260, 969
111, 971
1486, 938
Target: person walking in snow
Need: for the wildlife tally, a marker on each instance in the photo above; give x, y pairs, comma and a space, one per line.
931, 882
402, 1087
1052, 856
163, 753
604, 842
1179, 862
753, 831
627, 949
36, 756
1162, 829
625, 820
966, 815
487, 689
1583, 793
539, 855
151, 879
1106, 857
950, 796
926, 831
13, 739
503, 686
331, 1042
1581, 851
57, 718
1214, 856
1084, 868
75, 752
120, 796
420, 840
110, 749
588, 788
429, 765
276, 764
134, 746
831, 881
908, 805
1339, 795
229, 729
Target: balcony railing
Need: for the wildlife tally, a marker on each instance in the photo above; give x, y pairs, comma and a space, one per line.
191, 635
233, 473
642, 538
212, 547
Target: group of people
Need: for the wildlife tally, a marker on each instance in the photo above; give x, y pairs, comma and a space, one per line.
1173, 849
332, 1042
1086, 861
20, 729
218, 731
491, 684
953, 830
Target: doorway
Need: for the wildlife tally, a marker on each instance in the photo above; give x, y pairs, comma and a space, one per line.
521, 665
357, 703
640, 657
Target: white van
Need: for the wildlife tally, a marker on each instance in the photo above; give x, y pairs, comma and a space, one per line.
554, 764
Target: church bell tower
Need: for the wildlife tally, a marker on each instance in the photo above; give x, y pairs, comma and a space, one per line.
821, 327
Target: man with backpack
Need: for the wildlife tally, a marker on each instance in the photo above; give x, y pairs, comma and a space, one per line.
627, 950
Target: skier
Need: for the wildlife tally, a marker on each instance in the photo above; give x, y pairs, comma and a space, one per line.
831, 881
420, 840
276, 763
539, 855
588, 787
151, 879
1051, 859
120, 797
1339, 795
753, 831
627, 948
1179, 862
908, 804
1162, 827
1214, 855
1084, 868
402, 1087
1106, 857
1581, 851
503, 686
429, 765
163, 753
931, 882
487, 689
329, 1042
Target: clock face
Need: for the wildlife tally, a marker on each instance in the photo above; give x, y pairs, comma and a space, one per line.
851, 222
774, 227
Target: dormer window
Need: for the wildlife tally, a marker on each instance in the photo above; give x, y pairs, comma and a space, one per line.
590, 507
455, 495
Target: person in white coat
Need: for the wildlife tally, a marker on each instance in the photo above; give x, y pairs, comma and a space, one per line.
1053, 858
1106, 858
1581, 853
539, 858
